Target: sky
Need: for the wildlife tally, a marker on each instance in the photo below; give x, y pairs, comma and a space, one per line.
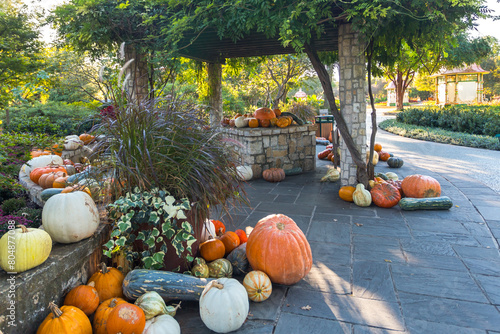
485, 28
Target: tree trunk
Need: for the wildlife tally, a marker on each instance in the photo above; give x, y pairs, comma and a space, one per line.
371, 167
329, 70
399, 88
326, 83
215, 93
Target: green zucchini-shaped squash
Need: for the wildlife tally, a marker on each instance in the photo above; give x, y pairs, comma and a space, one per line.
382, 176
168, 284
49, 192
293, 171
429, 203
294, 117
78, 176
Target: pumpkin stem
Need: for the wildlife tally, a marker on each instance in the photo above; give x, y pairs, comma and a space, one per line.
178, 306
112, 303
92, 284
280, 226
55, 310
217, 285
23, 228
104, 269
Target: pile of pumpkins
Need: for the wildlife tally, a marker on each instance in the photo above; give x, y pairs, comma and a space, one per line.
389, 158
262, 117
71, 142
414, 192
103, 301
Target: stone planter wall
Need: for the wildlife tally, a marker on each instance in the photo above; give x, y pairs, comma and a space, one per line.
25, 296
287, 148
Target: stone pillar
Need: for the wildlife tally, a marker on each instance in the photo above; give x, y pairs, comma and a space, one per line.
352, 98
137, 72
215, 93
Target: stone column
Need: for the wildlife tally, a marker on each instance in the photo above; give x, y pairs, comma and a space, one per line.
215, 93
352, 97
137, 72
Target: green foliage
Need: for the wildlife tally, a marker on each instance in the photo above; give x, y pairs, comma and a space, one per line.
145, 222
301, 108
14, 204
32, 214
491, 83
440, 136
480, 120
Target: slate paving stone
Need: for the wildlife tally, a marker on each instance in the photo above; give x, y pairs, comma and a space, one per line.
416, 326
378, 249
452, 263
427, 247
483, 266
436, 282
292, 323
285, 190
477, 252
373, 281
487, 241
330, 232
348, 209
357, 329
490, 284
269, 309
367, 312
331, 218
382, 227
452, 239
233, 221
489, 212
288, 208
452, 214
449, 311
337, 254
477, 229
436, 225
327, 277
285, 198
391, 213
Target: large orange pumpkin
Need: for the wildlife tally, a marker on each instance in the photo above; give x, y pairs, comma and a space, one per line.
385, 195
65, 320
126, 318
84, 297
346, 192
420, 186
230, 241
108, 283
278, 247
212, 249
102, 313
264, 113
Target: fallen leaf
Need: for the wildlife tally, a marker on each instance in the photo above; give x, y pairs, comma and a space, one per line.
335, 220
250, 314
358, 224
457, 206
307, 307
387, 260
287, 305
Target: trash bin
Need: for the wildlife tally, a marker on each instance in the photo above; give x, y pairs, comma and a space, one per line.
325, 127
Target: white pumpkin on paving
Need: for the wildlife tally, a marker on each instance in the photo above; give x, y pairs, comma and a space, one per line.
70, 217
224, 305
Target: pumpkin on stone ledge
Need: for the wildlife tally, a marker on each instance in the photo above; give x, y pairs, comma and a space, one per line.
264, 113
273, 175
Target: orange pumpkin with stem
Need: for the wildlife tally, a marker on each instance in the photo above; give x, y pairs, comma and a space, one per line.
126, 318
385, 195
264, 113
65, 320
84, 297
102, 313
420, 186
212, 249
377, 147
270, 247
230, 241
346, 192
108, 282
220, 228
242, 235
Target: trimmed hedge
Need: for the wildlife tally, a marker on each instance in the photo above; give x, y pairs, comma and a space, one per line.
439, 135
478, 120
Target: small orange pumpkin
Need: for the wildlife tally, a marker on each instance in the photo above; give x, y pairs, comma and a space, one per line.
47, 180
377, 147
277, 112
274, 121
220, 228
253, 122
283, 122
265, 123
86, 138
67, 319
102, 313
230, 241
39, 171
37, 152
273, 175
126, 318
212, 249
242, 235
383, 156
76, 187
84, 297
346, 192
108, 283
60, 182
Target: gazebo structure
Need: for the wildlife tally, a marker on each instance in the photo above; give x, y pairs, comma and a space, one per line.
208, 47
460, 85
391, 94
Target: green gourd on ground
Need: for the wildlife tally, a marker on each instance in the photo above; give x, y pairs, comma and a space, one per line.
428, 203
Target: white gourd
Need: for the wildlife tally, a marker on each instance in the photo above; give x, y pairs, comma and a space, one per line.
41, 161
72, 144
361, 196
245, 172
224, 305
208, 231
241, 122
162, 324
392, 176
70, 217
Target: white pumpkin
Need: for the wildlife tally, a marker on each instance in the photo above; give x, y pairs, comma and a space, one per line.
24, 248
41, 161
72, 144
71, 137
392, 176
162, 324
244, 172
241, 122
224, 305
70, 217
208, 231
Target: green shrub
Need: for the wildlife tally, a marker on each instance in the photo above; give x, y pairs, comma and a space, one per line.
32, 214
12, 205
479, 120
